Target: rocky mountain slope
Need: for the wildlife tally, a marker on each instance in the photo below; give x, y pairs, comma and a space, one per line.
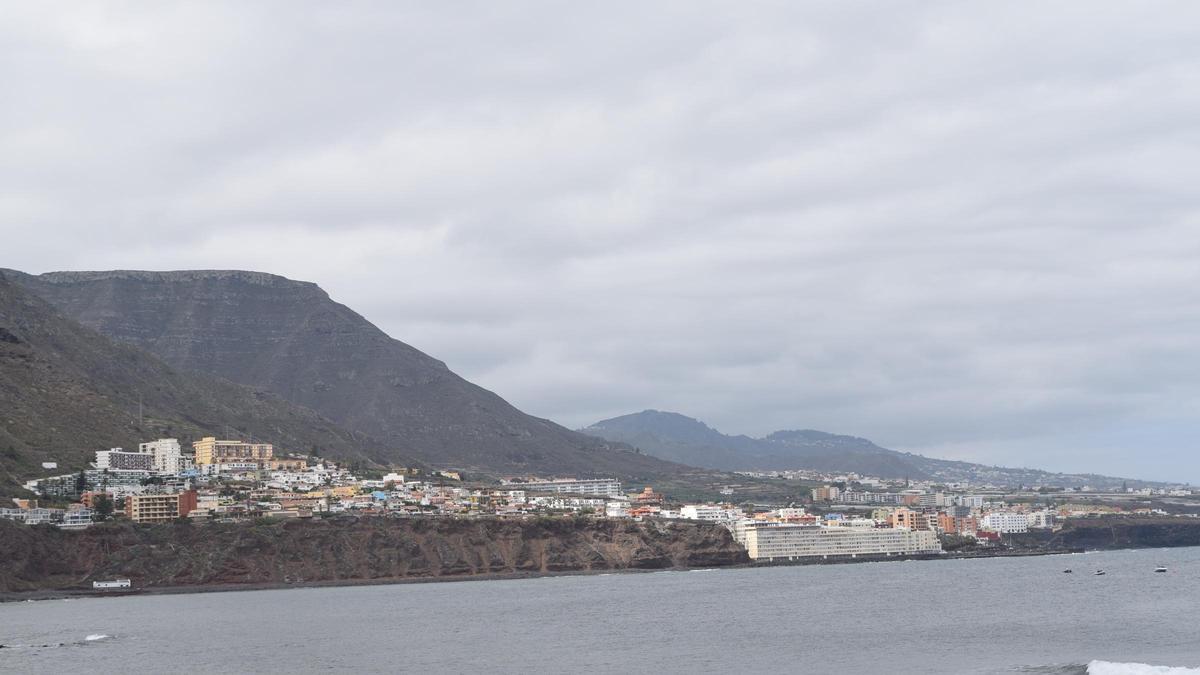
682, 439
37, 558
67, 391
290, 338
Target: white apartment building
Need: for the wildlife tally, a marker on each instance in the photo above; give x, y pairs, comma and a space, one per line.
970, 501
36, 516
167, 455
1042, 519
121, 460
518, 496
601, 487
1005, 522
768, 542
12, 514
710, 512
571, 503
77, 519
229, 467
116, 482
616, 509
852, 522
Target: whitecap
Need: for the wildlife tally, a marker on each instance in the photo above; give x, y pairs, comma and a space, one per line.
96, 636
1111, 668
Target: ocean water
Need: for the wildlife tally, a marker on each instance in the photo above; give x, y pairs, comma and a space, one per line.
1000, 615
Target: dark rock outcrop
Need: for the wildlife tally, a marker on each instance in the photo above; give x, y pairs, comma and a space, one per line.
1114, 533
186, 554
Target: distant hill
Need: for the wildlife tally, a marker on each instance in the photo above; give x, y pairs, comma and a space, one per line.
288, 337
682, 439
67, 391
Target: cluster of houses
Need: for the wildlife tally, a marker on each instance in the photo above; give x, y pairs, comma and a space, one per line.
228, 480
231, 480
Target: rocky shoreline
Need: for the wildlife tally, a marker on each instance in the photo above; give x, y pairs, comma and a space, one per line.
41, 562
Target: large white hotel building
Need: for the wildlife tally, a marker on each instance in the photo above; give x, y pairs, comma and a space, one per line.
772, 542
603, 487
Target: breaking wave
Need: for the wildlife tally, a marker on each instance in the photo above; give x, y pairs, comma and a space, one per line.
94, 637
1110, 668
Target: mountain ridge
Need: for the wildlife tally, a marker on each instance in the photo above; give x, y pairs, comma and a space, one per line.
67, 391
291, 338
674, 436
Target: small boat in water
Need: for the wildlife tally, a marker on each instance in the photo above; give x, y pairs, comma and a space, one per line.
1099, 573
1160, 568
1066, 571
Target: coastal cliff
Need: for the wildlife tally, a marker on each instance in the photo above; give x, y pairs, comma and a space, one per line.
1113, 533
351, 550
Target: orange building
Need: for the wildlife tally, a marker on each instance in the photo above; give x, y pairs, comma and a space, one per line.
153, 508
913, 520
648, 496
957, 524
88, 499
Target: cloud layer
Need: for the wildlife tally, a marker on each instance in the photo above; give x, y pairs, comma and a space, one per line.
964, 230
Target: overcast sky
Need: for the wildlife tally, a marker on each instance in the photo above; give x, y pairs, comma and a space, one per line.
969, 230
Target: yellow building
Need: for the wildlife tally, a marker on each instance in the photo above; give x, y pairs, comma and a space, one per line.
342, 491
211, 451
286, 464
881, 515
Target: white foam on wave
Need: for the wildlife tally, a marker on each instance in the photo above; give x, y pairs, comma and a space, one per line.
96, 636
1111, 668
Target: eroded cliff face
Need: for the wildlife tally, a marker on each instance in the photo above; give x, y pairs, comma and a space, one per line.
1131, 533
1113, 533
38, 558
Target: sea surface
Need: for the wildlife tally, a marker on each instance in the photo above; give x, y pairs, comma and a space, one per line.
998, 615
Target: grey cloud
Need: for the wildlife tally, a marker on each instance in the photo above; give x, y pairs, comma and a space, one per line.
956, 229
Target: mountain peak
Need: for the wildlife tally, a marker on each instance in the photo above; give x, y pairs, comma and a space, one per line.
659, 423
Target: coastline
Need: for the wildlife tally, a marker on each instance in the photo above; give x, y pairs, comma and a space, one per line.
181, 558
974, 555
82, 593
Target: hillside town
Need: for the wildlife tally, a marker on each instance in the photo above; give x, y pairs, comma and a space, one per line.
844, 517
